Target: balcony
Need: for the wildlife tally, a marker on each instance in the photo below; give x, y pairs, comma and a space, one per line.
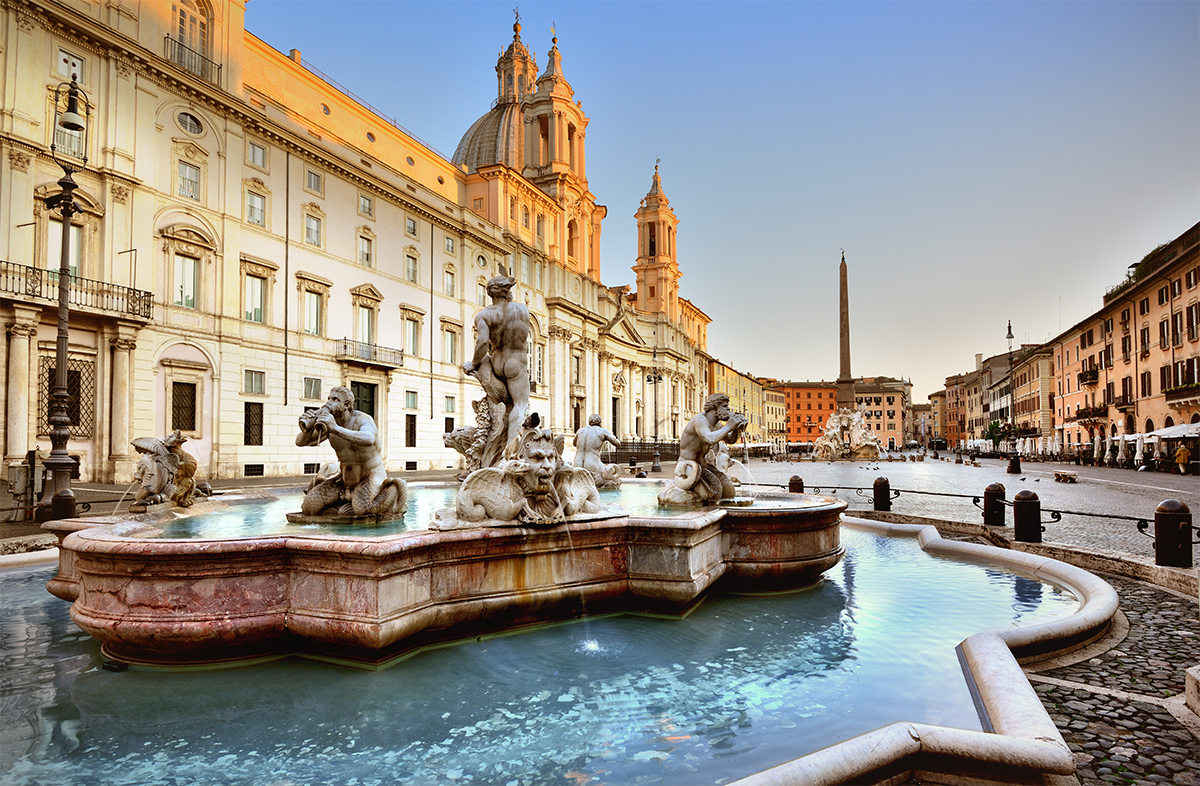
1089, 376
1124, 402
1183, 396
33, 283
347, 351
1096, 414
193, 62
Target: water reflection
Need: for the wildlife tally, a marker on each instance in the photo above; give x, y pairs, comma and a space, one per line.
743, 683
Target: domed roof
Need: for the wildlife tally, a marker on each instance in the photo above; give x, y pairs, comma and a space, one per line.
494, 138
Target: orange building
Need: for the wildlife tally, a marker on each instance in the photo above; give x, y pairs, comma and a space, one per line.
807, 405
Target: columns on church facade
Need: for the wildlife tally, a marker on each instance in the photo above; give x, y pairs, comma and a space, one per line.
22, 332
120, 459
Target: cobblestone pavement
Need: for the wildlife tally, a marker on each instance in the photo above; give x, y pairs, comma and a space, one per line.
1120, 711
1104, 492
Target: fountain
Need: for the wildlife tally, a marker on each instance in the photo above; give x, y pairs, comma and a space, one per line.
528, 541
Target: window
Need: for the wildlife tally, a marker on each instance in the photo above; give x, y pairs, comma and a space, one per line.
252, 427
312, 230
1191, 277
410, 268
366, 206
366, 249
364, 324
1144, 336
70, 65
313, 316
451, 405
1164, 294
410, 399
412, 336
481, 293
256, 155
1162, 334
449, 345
525, 217
314, 182
541, 225
191, 30
1144, 306
183, 406
312, 387
577, 370
410, 431
448, 284
186, 271
525, 277
255, 289
189, 181
256, 209
449, 425
190, 123
449, 245
477, 203
67, 141
255, 382
410, 226
1176, 288
54, 248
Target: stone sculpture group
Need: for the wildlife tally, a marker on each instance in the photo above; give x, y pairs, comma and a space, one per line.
847, 437
698, 479
164, 473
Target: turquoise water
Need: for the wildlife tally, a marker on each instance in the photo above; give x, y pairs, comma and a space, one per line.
745, 682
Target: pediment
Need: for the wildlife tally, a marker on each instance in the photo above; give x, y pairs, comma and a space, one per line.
367, 291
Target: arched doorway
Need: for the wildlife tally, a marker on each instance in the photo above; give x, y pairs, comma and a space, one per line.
1168, 422
1149, 425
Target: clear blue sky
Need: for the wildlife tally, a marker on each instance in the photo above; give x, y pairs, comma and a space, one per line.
978, 161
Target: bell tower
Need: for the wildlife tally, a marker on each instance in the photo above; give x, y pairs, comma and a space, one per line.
657, 268
516, 70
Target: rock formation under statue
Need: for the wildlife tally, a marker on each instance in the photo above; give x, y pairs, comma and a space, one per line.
359, 487
534, 487
165, 473
471, 440
698, 481
848, 437
589, 441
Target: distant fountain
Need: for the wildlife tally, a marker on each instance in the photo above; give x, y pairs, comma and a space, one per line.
848, 437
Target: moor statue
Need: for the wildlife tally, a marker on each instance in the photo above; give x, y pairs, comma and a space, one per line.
361, 486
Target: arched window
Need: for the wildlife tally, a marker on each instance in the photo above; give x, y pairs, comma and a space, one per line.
189, 40
1149, 426
572, 238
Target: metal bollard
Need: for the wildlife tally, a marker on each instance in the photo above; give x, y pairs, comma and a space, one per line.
883, 494
796, 484
993, 505
1173, 534
1027, 517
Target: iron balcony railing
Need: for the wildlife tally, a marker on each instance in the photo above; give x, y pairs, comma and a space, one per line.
1089, 376
193, 62
39, 284
372, 354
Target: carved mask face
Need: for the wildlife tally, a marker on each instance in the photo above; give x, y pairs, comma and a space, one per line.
542, 462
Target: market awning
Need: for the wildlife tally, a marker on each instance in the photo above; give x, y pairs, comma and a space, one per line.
1177, 432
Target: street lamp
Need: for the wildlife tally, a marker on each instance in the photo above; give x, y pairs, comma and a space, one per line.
1014, 461
58, 500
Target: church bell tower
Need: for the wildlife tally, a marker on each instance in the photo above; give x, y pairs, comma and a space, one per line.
657, 268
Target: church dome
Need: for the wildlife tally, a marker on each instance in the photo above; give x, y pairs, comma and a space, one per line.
494, 138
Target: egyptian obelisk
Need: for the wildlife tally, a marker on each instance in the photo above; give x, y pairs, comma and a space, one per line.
845, 382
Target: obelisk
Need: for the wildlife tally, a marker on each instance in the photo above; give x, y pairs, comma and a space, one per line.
845, 382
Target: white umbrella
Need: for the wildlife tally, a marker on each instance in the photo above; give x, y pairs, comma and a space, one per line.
1137, 456
1122, 454
1041, 445
1107, 449
1096, 449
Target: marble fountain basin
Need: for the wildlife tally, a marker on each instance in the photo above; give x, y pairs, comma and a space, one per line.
367, 599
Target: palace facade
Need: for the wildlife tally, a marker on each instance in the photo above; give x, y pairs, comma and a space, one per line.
252, 234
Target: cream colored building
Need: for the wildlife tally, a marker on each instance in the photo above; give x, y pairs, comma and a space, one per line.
252, 234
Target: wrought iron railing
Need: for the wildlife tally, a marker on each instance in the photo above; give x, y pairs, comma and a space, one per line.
368, 353
193, 62
39, 284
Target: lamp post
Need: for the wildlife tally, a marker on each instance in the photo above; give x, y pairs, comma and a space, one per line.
58, 500
1014, 461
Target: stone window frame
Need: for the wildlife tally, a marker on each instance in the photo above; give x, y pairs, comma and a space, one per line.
310, 170
411, 312
185, 151
189, 372
450, 244
313, 210
265, 166
415, 231
364, 232
182, 240
415, 253
267, 271
88, 220
371, 210
57, 73
451, 326
365, 296
246, 391
256, 186
481, 289
304, 387
450, 269
308, 282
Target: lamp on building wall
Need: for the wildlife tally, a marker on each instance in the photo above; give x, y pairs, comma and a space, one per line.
1014, 461
58, 500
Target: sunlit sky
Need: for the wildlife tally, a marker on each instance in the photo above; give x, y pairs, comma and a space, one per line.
978, 161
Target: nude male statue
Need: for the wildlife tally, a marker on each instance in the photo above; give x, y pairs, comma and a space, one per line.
695, 480
589, 441
501, 364
356, 441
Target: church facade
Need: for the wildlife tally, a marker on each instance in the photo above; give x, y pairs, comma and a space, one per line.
251, 235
